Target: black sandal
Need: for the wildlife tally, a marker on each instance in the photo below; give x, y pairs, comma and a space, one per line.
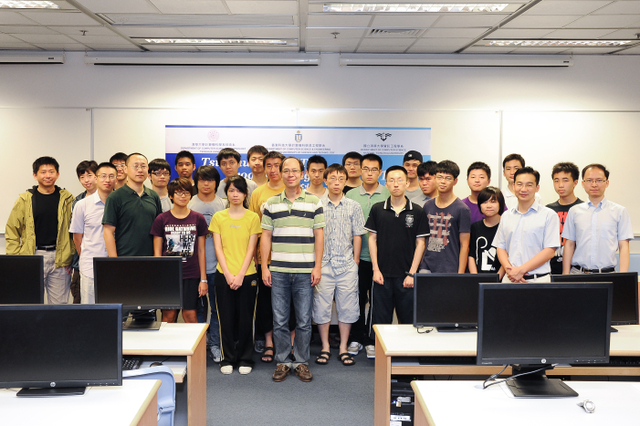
323, 358
346, 359
266, 357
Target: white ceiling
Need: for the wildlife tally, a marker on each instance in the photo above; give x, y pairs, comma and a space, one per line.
123, 25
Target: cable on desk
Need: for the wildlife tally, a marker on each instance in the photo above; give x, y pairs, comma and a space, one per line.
424, 330
485, 385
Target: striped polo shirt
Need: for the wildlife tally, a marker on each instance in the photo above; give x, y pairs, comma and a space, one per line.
292, 224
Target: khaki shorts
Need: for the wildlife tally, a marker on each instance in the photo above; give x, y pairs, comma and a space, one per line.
343, 288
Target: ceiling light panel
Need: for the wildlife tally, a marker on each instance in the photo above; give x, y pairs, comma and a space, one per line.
420, 7
219, 41
6, 4
573, 7
558, 43
267, 7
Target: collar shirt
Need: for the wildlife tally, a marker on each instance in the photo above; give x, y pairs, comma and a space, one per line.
343, 222
524, 235
596, 230
87, 220
367, 201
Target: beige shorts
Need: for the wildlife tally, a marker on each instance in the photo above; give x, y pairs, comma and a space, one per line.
343, 288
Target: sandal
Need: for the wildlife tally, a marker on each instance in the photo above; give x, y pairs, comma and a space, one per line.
323, 358
265, 356
346, 359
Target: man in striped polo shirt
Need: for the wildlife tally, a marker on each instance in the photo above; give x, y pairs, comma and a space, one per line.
292, 224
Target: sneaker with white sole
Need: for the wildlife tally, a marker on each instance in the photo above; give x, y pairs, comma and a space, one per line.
245, 369
371, 351
216, 354
354, 348
226, 369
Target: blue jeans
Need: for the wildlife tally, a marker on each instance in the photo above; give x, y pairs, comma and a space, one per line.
286, 286
214, 326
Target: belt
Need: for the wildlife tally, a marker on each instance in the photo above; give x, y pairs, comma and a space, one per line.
593, 271
534, 276
46, 248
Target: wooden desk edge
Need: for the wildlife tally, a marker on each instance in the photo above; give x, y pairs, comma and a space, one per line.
421, 416
147, 415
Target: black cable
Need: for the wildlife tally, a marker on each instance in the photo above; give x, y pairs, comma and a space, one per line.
424, 330
485, 385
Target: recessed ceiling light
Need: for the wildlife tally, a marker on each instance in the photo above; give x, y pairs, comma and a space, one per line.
28, 4
558, 43
419, 7
221, 41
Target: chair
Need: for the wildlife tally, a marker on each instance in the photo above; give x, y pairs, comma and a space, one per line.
166, 392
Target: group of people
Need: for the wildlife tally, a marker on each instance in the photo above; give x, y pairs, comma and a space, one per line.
273, 257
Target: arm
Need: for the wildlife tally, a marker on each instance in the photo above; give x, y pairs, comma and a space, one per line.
13, 230
567, 256
471, 263
373, 252
109, 232
265, 252
623, 246
77, 240
504, 260
417, 257
237, 283
464, 252
357, 248
157, 246
318, 249
536, 261
222, 260
203, 288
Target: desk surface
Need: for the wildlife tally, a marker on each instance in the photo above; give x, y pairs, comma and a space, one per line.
404, 340
444, 403
95, 407
172, 340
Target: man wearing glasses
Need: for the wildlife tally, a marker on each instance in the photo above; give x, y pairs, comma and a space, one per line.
130, 211
595, 230
449, 223
159, 175
118, 160
352, 162
292, 236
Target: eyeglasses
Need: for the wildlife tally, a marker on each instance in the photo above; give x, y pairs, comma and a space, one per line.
139, 166
596, 181
350, 164
394, 181
161, 174
335, 179
528, 185
181, 193
444, 178
105, 176
291, 172
120, 166
368, 170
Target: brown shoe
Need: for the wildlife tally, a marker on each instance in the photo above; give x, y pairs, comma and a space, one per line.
303, 373
281, 373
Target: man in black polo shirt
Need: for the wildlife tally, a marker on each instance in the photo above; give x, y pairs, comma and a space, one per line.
397, 230
130, 211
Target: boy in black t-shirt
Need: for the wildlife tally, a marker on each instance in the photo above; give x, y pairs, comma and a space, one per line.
482, 256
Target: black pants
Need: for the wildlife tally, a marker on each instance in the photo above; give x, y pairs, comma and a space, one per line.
264, 314
361, 330
389, 295
236, 310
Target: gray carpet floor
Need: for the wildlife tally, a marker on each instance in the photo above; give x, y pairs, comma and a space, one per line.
338, 395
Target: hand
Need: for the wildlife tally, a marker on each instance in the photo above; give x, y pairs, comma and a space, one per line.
408, 281
266, 277
237, 282
230, 278
515, 274
316, 273
377, 277
203, 289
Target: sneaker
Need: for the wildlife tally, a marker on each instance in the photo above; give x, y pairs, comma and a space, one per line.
227, 369
281, 373
259, 346
371, 351
244, 369
303, 373
216, 354
354, 348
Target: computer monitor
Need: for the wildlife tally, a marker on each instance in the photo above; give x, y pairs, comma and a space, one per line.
139, 282
448, 301
54, 350
534, 326
21, 279
624, 309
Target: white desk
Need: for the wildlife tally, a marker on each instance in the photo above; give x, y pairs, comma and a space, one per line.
133, 403
455, 403
178, 340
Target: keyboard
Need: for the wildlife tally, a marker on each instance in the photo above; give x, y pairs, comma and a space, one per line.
131, 363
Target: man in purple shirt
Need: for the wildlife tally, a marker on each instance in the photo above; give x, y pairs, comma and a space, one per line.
478, 178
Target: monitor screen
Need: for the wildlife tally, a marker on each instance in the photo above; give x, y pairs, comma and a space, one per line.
139, 282
624, 308
56, 347
21, 279
447, 300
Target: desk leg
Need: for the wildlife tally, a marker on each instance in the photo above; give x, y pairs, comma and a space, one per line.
197, 385
382, 389
150, 416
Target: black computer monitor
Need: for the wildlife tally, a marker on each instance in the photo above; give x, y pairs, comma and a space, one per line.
139, 283
54, 350
536, 325
448, 301
21, 279
624, 308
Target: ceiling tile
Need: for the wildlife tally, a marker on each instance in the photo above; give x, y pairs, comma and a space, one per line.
344, 33
18, 46
77, 30
341, 48
620, 7
631, 51
485, 49
393, 45
201, 32
118, 6
190, 6
118, 48
605, 21
13, 18
469, 21
42, 38
59, 18
565, 33
63, 46
591, 50
5, 38
25, 29
270, 32
631, 33
327, 42
432, 45
519, 33
338, 20
530, 21
264, 6
162, 32
455, 32
404, 21
566, 7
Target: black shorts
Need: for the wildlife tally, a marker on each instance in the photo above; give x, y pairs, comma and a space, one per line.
190, 293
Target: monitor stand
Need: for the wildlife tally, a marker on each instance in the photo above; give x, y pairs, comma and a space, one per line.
465, 328
141, 321
613, 329
537, 385
40, 392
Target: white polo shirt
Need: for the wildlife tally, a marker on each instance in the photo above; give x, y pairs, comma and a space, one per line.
87, 220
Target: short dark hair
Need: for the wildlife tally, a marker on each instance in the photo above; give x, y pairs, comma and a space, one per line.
86, 166
566, 167
226, 153
272, 154
353, 155
118, 156
183, 154
512, 157
527, 171
135, 153
479, 165
294, 158
179, 183
597, 166
240, 183
448, 167
159, 164
106, 164
491, 193
316, 159
427, 168
335, 167
371, 157
206, 172
395, 168
257, 149
45, 161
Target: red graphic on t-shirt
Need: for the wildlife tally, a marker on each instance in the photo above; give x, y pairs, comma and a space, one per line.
563, 218
439, 225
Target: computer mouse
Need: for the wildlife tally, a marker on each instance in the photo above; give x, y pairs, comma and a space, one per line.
155, 364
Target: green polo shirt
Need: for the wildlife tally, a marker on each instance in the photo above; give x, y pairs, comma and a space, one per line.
367, 201
132, 215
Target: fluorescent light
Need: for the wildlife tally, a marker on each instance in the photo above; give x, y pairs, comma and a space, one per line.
28, 4
454, 60
201, 58
558, 43
220, 41
8, 57
419, 7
